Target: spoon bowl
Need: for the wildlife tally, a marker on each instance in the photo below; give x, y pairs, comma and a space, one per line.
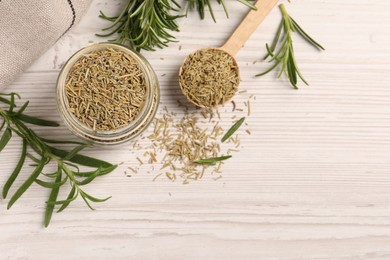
230, 49
217, 81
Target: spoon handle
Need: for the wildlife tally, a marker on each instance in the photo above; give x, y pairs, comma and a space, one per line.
248, 26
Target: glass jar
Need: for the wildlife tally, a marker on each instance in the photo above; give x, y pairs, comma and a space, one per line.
117, 136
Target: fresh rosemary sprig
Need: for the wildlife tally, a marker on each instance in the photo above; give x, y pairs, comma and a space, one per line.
233, 129
200, 6
144, 24
147, 24
213, 161
281, 50
41, 152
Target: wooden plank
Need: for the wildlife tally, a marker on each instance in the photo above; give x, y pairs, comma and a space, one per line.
311, 182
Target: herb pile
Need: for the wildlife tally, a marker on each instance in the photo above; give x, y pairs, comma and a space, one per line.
41, 152
106, 89
209, 77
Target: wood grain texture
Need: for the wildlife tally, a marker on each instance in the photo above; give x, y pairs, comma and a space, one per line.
311, 182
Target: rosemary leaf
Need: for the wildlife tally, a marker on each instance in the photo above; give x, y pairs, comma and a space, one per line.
212, 161
33, 158
50, 141
50, 175
2, 125
81, 159
64, 202
16, 171
306, 36
103, 171
21, 110
36, 121
74, 152
27, 183
12, 103
233, 129
52, 185
53, 197
76, 167
271, 49
5, 101
93, 199
89, 179
86, 201
71, 197
5, 138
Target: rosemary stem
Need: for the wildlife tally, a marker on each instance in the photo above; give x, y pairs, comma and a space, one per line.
69, 173
286, 20
15, 123
283, 9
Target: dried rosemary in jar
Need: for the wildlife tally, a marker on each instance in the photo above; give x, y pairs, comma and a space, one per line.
106, 89
107, 93
209, 77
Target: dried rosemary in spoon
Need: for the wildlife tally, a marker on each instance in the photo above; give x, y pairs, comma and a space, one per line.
209, 77
106, 89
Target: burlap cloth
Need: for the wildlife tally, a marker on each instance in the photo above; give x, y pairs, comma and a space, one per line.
30, 27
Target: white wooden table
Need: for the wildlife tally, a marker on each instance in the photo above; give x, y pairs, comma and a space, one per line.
311, 182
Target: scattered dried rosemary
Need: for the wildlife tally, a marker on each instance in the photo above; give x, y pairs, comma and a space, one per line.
179, 144
183, 141
106, 89
209, 77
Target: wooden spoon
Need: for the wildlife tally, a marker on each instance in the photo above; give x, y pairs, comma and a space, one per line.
238, 38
